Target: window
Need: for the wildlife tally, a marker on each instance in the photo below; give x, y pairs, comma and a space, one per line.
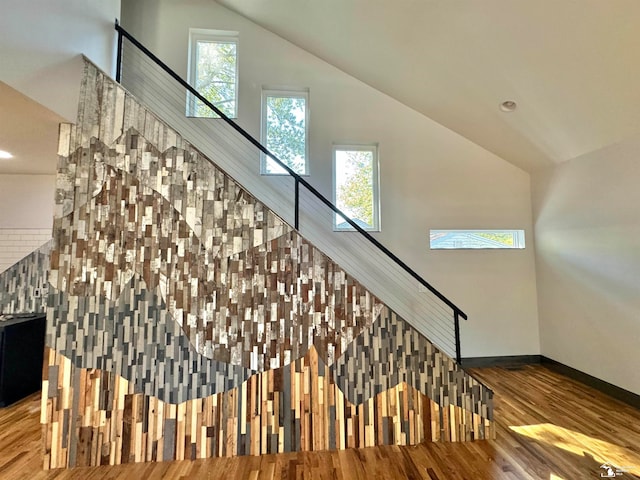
213, 72
285, 130
475, 239
356, 186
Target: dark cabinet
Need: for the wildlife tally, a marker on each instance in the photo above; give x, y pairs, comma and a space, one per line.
21, 356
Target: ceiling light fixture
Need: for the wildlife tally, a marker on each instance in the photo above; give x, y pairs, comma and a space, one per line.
508, 106
4, 154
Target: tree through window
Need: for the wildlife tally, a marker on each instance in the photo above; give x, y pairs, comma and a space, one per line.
285, 130
213, 72
356, 186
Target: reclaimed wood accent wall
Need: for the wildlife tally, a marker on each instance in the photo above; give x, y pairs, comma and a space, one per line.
187, 320
294, 408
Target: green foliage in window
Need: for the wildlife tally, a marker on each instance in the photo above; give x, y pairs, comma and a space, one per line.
216, 78
355, 187
503, 238
286, 132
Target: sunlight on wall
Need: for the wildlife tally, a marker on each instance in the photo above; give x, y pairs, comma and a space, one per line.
582, 445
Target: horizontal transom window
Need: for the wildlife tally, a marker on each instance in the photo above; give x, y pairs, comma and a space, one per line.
475, 239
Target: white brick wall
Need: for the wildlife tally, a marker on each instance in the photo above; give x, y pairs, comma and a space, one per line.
17, 243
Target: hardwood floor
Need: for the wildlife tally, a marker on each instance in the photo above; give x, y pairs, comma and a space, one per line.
548, 427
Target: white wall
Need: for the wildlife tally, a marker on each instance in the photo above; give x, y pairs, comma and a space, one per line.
26, 215
17, 243
430, 176
588, 261
26, 201
41, 44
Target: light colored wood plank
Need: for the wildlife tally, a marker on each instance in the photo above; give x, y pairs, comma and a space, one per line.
544, 424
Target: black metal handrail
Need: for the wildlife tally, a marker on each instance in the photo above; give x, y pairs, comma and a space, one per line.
457, 312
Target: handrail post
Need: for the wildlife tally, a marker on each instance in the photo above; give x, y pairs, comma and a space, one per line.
119, 54
297, 205
456, 323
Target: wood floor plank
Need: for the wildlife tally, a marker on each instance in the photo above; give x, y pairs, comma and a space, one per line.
547, 427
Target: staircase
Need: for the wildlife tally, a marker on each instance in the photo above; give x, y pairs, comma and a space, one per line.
291, 197
188, 319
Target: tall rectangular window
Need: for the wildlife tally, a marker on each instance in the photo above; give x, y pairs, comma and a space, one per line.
213, 72
356, 186
285, 130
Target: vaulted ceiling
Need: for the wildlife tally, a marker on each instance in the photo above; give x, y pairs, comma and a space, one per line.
572, 66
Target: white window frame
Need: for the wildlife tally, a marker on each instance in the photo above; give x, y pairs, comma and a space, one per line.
197, 35
518, 239
373, 148
288, 93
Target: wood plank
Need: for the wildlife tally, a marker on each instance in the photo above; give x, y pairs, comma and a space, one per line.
546, 424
